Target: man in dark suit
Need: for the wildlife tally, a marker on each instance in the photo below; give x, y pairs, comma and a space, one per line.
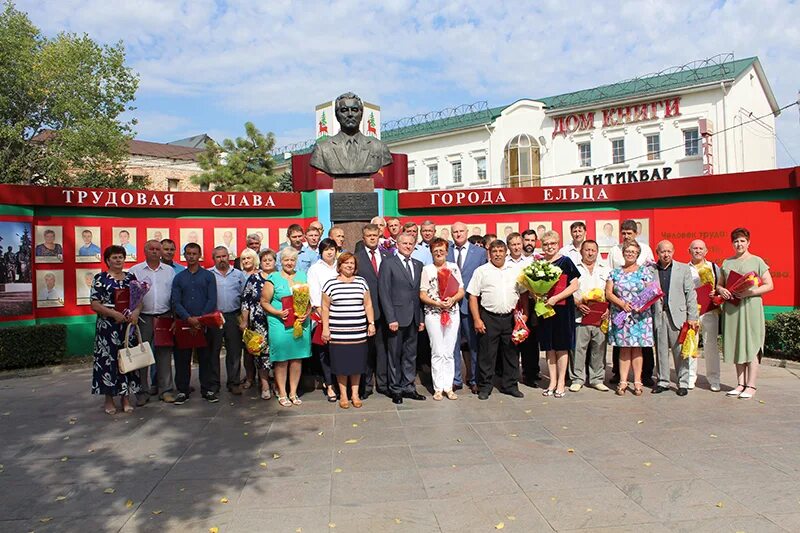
350, 153
370, 258
468, 257
398, 287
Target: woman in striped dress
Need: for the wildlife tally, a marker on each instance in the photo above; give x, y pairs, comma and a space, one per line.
347, 321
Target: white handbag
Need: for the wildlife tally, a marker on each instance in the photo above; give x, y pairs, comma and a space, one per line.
136, 357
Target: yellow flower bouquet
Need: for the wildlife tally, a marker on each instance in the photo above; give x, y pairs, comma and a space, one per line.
302, 300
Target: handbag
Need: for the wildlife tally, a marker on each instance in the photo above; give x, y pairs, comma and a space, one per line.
254, 342
136, 357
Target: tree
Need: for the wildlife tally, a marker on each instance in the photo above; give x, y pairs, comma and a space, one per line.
241, 165
60, 104
285, 183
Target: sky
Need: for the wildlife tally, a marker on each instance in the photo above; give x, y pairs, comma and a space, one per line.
209, 66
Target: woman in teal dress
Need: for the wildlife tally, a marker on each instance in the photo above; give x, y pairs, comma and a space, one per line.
743, 327
286, 351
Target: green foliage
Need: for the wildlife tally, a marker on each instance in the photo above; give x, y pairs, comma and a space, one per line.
285, 182
241, 165
32, 346
783, 336
60, 104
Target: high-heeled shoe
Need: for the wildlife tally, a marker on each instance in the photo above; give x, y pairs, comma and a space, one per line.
637, 388
746, 395
622, 388
735, 392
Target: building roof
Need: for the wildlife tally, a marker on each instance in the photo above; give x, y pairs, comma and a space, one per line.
163, 151
195, 141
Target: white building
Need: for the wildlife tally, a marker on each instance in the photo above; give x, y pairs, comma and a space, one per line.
683, 122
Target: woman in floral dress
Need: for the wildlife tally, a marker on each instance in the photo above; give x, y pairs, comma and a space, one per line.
110, 333
254, 317
623, 286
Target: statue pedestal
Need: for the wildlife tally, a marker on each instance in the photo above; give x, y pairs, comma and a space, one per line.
354, 203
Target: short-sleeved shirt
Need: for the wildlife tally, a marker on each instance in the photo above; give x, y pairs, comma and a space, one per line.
429, 284
347, 316
497, 288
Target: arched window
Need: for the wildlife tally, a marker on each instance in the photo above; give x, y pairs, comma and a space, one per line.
522, 162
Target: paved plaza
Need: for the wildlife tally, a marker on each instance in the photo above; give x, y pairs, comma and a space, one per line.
588, 462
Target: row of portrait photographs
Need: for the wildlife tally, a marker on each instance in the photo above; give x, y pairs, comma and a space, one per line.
89, 248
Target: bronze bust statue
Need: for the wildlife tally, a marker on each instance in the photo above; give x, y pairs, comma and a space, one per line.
349, 153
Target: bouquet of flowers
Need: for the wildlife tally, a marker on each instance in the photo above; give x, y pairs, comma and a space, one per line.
737, 283
137, 291
254, 342
212, 320
597, 295
691, 343
641, 302
539, 277
302, 301
520, 331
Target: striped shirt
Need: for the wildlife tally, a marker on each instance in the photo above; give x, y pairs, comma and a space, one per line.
347, 317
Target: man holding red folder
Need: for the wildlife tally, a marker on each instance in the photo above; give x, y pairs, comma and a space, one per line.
589, 337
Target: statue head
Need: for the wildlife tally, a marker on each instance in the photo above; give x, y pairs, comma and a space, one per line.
349, 111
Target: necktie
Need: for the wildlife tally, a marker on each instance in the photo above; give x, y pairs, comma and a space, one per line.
408, 267
460, 258
374, 261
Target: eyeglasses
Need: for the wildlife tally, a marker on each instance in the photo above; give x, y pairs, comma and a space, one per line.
549, 244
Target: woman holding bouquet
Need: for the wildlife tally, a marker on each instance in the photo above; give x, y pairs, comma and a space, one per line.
110, 333
624, 284
286, 350
743, 326
441, 288
347, 320
254, 318
556, 333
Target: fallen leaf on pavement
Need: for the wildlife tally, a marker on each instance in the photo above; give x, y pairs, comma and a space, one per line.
157, 512
213, 530
64, 459
528, 411
355, 425
46, 519
499, 525
351, 441
129, 503
570, 450
648, 463
321, 433
262, 465
246, 433
511, 517
398, 521
60, 498
331, 525
223, 500
338, 470
720, 504
276, 456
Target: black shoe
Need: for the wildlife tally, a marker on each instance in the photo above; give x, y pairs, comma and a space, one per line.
530, 383
397, 399
384, 392
210, 397
181, 399
682, 391
366, 394
648, 382
516, 393
473, 389
413, 395
457, 387
614, 379
483, 395
658, 389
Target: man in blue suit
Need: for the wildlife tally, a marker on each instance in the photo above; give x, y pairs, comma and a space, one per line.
468, 257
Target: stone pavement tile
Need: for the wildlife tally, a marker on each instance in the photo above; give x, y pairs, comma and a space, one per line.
285, 492
514, 511
406, 516
470, 481
71, 500
585, 507
44, 524
561, 472
499, 434
638, 468
731, 464
455, 454
367, 436
225, 463
730, 523
291, 463
381, 419
784, 458
369, 459
442, 435
788, 521
498, 412
188, 499
147, 522
354, 488
300, 433
685, 499
672, 440
769, 431
81, 469
446, 413
604, 444
651, 527
268, 518
764, 498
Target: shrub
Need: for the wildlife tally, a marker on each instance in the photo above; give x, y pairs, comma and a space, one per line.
783, 336
31, 346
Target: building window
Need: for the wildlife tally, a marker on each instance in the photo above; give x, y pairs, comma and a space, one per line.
522, 162
480, 162
653, 147
433, 175
585, 154
456, 171
411, 176
617, 151
691, 142
173, 184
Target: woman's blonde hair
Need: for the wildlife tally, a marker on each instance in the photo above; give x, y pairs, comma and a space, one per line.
249, 253
552, 234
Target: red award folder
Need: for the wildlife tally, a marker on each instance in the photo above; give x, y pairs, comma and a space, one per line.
704, 298
187, 337
122, 298
452, 287
596, 311
316, 335
162, 332
287, 302
560, 285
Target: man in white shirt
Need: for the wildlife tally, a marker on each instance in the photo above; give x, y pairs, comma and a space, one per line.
156, 303
573, 249
515, 256
494, 293
628, 233
589, 338
709, 322
50, 292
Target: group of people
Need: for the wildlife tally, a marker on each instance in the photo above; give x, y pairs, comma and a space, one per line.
401, 295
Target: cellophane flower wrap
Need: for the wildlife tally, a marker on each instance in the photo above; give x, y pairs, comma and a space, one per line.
302, 301
254, 342
520, 331
597, 295
650, 295
212, 320
691, 344
443, 279
539, 277
138, 290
